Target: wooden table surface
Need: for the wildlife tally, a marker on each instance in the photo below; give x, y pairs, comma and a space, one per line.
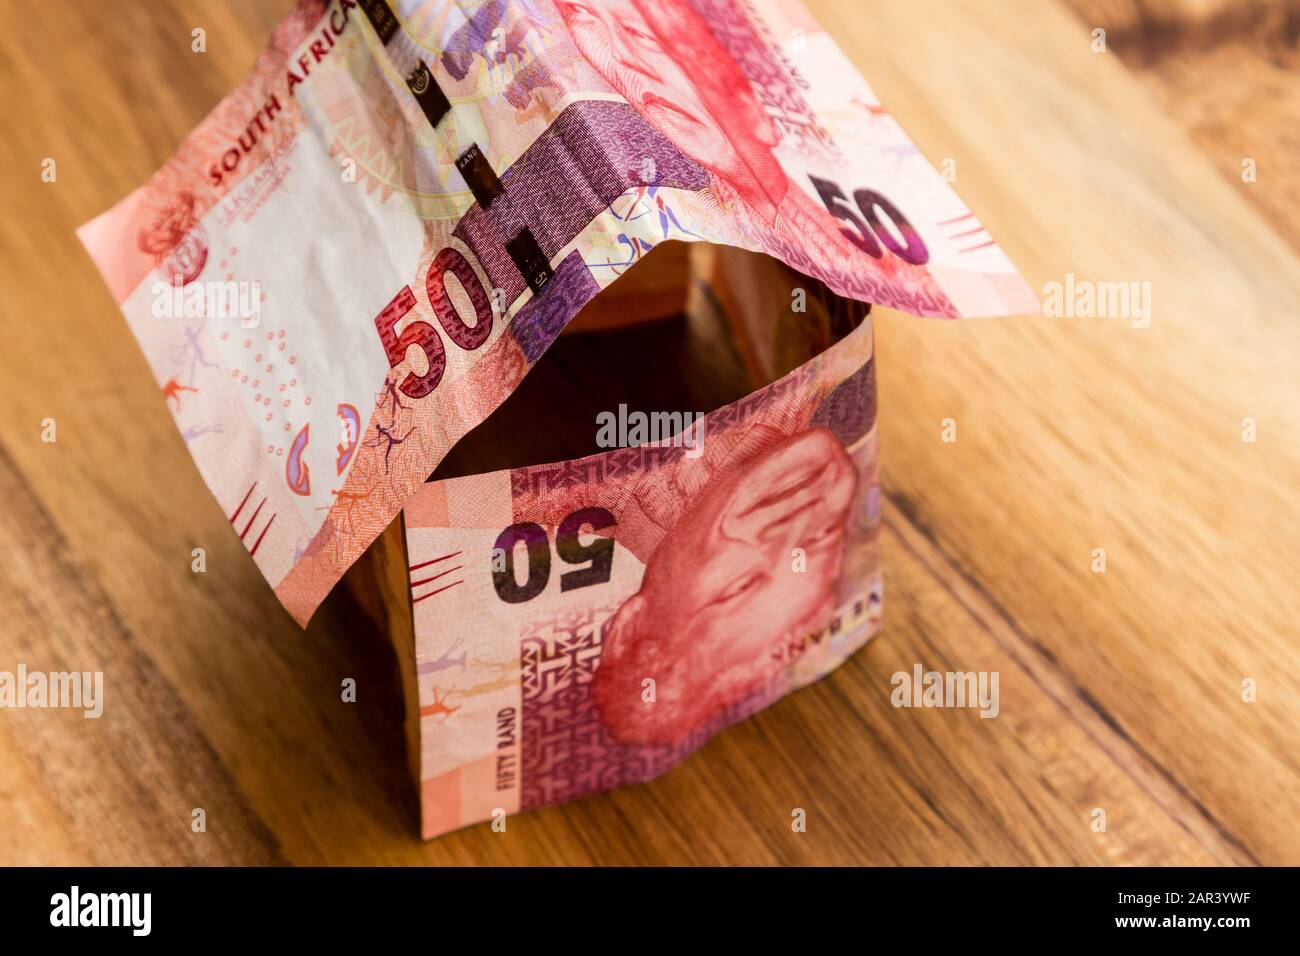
1120, 690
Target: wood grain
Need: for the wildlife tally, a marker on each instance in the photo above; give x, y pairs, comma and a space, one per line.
1226, 71
1120, 691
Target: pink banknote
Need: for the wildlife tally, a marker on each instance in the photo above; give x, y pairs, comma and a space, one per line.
363, 249
585, 625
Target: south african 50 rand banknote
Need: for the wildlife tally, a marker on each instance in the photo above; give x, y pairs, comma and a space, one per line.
584, 625
364, 248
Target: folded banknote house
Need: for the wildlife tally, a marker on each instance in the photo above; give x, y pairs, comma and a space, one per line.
364, 249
